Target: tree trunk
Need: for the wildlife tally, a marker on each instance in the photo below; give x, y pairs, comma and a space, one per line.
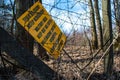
93, 26
98, 21
117, 18
117, 15
23, 36
107, 30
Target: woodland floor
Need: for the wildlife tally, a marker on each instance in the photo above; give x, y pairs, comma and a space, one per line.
71, 70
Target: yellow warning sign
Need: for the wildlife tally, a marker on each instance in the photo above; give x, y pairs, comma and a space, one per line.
42, 27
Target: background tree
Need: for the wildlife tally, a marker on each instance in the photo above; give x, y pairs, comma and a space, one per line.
13, 18
93, 26
107, 30
117, 15
98, 22
117, 28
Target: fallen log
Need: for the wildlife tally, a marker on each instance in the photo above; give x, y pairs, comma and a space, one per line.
28, 60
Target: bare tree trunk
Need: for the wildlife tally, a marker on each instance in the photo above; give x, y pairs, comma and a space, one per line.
93, 26
117, 18
23, 36
107, 27
13, 18
98, 21
117, 15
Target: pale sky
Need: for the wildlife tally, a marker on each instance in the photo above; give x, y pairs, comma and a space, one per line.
68, 14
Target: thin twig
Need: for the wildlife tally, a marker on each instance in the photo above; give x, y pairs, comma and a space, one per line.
94, 55
2, 57
72, 59
100, 60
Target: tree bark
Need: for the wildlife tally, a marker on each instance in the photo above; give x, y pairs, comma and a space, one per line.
98, 22
23, 36
93, 26
117, 15
107, 30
